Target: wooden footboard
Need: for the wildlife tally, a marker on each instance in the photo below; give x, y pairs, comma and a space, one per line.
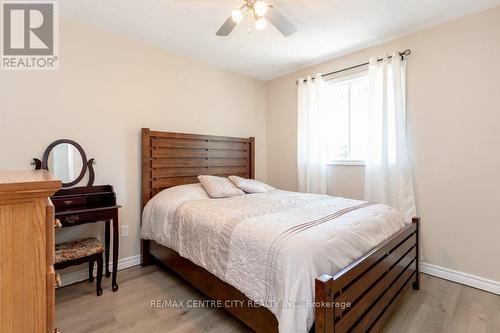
357, 299
360, 297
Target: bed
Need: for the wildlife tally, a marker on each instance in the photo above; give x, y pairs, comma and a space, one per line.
371, 283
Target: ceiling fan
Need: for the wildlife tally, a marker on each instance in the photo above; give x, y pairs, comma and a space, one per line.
261, 12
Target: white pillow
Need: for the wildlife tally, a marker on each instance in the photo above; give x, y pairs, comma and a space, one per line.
219, 187
251, 185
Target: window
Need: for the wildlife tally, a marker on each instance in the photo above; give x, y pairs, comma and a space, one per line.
346, 104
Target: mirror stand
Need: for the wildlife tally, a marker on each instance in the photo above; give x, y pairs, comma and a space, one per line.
86, 164
90, 166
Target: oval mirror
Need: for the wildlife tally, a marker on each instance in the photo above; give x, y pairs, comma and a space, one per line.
66, 160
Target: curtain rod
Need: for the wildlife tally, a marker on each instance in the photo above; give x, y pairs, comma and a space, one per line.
403, 54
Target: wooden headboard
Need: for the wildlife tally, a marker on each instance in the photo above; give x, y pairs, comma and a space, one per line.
171, 159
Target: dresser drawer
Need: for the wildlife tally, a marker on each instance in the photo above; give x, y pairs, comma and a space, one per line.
51, 298
69, 202
50, 231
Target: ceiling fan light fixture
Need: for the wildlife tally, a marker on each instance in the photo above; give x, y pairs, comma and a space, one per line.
260, 8
260, 23
237, 15
256, 10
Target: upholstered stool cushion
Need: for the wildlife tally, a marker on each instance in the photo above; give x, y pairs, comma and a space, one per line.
78, 249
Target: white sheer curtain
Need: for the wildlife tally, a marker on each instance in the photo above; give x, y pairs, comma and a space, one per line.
310, 146
388, 177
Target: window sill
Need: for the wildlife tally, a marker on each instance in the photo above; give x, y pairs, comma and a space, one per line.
346, 162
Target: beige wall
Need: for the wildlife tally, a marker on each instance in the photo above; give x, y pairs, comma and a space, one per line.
107, 88
454, 119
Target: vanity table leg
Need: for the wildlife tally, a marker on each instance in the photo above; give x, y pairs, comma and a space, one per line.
115, 250
91, 271
106, 245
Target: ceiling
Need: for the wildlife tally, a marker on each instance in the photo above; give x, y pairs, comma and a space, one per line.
327, 28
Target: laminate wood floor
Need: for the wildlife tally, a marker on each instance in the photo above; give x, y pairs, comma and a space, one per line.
439, 307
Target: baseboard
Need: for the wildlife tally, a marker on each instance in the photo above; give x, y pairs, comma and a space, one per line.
83, 274
460, 277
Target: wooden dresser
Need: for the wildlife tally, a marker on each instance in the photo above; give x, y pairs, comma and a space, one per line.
27, 278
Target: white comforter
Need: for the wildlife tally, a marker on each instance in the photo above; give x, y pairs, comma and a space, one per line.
271, 246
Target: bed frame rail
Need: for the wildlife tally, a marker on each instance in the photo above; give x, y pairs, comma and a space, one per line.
361, 296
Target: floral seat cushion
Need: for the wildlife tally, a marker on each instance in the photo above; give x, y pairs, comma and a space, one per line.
78, 249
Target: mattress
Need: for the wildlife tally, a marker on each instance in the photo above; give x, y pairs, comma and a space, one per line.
270, 246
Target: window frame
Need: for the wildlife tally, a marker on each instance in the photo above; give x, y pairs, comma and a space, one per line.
347, 79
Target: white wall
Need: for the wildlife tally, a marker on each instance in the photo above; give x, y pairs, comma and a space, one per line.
107, 88
453, 117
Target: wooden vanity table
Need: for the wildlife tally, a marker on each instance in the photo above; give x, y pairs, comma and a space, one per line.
91, 204
75, 206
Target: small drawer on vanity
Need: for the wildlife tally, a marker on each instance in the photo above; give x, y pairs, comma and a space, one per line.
69, 202
75, 219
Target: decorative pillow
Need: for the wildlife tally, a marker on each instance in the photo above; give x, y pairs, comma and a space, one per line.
251, 185
219, 187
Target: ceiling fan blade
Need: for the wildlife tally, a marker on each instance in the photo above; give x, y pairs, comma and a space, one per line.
226, 28
280, 22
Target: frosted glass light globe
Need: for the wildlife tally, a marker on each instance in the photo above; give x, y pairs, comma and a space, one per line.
260, 8
260, 24
237, 15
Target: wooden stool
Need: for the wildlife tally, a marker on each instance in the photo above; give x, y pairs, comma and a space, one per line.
80, 251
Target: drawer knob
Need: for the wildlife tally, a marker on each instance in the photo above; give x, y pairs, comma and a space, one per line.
71, 218
57, 223
58, 283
